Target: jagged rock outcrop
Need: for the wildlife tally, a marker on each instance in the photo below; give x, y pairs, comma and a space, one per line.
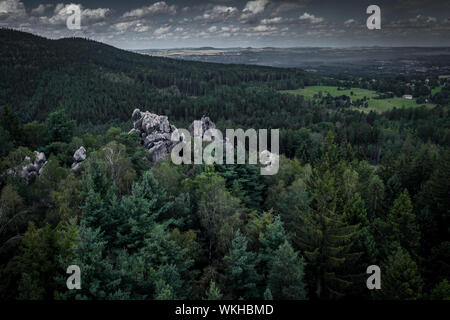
206, 125
31, 170
155, 132
79, 156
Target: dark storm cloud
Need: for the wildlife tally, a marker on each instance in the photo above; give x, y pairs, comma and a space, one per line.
230, 23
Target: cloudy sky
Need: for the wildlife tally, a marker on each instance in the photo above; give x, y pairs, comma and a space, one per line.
140, 24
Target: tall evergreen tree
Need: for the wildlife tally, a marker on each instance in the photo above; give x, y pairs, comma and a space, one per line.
325, 238
286, 276
240, 269
364, 242
403, 225
213, 292
401, 279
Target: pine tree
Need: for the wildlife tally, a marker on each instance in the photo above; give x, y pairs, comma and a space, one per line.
375, 196
169, 261
274, 237
271, 241
240, 269
401, 279
441, 291
99, 280
402, 223
433, 217
268, 294
163, 291
130, 220
38, 261
286, 276
213, 292
169, 280
363, 243
325, 239
434, 199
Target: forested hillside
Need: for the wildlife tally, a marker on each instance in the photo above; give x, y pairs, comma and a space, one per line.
97, 83
354, 189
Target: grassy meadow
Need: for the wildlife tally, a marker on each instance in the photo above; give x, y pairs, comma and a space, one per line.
378, 105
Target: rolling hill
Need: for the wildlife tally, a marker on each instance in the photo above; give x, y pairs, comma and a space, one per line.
97, 83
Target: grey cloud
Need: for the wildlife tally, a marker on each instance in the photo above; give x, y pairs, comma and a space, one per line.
218, 13
41, 9
310, 18
11, 10
274, 20
252, 10
157, 8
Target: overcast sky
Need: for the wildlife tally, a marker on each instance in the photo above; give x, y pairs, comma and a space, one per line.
139, 24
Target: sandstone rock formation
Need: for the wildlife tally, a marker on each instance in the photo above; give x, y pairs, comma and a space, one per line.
30, 170
79, 156
155, 132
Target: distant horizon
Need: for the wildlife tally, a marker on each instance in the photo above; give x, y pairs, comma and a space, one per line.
224, 48
300, 47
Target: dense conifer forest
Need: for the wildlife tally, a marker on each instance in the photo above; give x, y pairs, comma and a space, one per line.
354, 188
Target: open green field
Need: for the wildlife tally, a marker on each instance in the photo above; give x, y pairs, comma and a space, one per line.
436, 90
382, 105
354, 93
378, 105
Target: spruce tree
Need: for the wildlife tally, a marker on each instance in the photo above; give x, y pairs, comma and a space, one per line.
271, 241
325, 239
364, 243
403, 225
240, 269
286, 276
268, 294
401, 279
213, 292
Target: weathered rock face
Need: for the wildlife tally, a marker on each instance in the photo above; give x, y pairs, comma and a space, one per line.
155, 132
206, 125
79, 156
31, 170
